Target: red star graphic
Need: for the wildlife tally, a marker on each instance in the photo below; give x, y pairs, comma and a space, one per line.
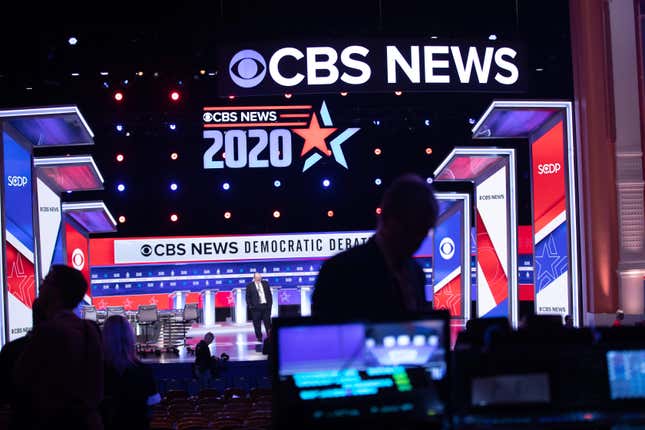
314, 136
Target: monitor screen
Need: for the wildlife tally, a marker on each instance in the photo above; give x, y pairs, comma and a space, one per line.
529, 388
626, 371
362, 370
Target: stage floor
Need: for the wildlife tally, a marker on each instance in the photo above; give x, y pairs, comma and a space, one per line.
236, 340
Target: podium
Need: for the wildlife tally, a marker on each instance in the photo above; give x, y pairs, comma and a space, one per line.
178, 299
239, 305
208, 306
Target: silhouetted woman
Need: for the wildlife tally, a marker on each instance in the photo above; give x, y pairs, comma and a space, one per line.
130, 387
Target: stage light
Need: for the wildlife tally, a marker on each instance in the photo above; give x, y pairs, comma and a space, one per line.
398, 92
211, 73
378, 181
126, 82
173, 187
174, 156
471, 121
277, 183
103, 73
127, 134
175, 96
120, 158
226, 186
378, 211
106, 84
202, 72
343, 93
69, 191
427, 123
539, 69
377, 151
120, 188
72, 41
119, 127
227, 215
121, 219
118, 96
172, 126
434, 37
231, 97
428, 150
429, 180
180, 83
276, 214
76, 74
29, 88
330, 214
326, 183
288, 95
376, 122
492, 37
174, 217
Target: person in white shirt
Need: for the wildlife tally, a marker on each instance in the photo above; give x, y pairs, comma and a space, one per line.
259, 301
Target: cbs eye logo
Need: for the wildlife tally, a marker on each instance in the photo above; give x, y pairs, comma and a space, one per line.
447, 248
146, 250
247, 68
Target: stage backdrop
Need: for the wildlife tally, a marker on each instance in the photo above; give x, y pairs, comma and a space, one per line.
135, 271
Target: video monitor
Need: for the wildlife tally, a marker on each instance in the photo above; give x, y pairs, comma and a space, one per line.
626, 369
365, 371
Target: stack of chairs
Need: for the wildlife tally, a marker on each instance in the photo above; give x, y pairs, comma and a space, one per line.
231, 409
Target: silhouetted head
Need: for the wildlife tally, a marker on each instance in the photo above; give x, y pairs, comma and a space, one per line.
568, 321
409, 210
62, 288
118, 343
208, 338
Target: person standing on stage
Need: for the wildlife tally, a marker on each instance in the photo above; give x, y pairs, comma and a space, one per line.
259, 301
381, 278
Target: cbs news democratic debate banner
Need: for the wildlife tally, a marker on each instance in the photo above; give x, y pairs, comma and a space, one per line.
375, 65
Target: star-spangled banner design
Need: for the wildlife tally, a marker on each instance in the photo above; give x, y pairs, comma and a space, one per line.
551, 257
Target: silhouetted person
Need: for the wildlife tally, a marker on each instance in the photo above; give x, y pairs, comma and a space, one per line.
130, 387
203, 358
9, 356
620, 316
568, 321
381, 278
259, 301
60, 373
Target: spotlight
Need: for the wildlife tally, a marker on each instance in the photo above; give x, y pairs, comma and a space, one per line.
119, 127
211, 73
277, 183
330, 214
429, 180
172, 126
202, 72
427, 123
119, 157
103, 73
276, 214
121, 219
428, 150
343, 93
174, 217
106, 84
72, 41
378, 181
140, 73
126, 82
155, 74
76, 74
434, 37
226, 186
231, 97
127, 134
398, 92
118, 96
174, 156
288, 95
378, 211
492, 37
377, 151
175, 96
471, 121
173, 187
539, 69
376, 122
227, 215
28, 88
120, 188
326, 183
